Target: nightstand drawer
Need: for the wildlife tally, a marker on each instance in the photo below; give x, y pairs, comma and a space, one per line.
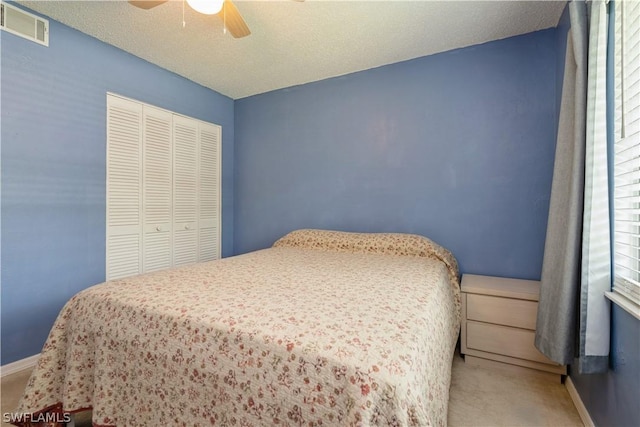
502, 311
503, 340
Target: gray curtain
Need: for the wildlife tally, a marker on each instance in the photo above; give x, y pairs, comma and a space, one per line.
560, 282
596, 238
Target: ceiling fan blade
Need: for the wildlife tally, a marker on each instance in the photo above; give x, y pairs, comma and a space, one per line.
233, 20
147, 4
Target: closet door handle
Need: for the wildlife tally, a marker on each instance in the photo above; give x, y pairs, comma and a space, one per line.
158, 228
186, 227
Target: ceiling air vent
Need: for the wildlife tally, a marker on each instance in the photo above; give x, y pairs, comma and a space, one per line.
24, 24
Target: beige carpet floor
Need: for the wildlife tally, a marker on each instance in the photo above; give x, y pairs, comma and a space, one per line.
490, 397
479, 397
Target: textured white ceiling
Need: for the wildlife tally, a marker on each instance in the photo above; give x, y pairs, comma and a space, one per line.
296, 42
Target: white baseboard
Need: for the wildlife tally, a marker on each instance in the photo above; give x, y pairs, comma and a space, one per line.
577, 401
19, 365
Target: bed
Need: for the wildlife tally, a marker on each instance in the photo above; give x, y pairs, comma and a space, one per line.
325, 328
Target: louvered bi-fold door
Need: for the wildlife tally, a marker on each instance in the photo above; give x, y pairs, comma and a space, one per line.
208, 192
157, 188
124, 213
163, 189
185, 191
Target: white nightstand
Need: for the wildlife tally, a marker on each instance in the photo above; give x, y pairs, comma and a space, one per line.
499, 322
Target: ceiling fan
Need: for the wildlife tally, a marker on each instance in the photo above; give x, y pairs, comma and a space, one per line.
227, 11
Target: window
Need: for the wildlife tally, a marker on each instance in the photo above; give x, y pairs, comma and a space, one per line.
626, 162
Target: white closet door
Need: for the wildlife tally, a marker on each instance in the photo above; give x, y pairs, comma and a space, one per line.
208, 192
185, 191
124, 210
156, 178
163, 189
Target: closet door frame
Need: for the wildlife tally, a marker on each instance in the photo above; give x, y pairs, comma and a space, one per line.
146, 228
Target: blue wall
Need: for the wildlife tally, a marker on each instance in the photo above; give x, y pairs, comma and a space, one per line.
53, 168
457, 146
612, 398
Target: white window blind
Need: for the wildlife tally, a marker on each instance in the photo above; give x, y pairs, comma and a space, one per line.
627, 151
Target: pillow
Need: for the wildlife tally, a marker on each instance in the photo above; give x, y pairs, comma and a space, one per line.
376, 243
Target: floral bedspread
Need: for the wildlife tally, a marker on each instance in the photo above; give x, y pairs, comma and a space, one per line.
315, 331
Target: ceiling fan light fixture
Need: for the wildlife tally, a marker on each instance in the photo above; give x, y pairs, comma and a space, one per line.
208, 7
